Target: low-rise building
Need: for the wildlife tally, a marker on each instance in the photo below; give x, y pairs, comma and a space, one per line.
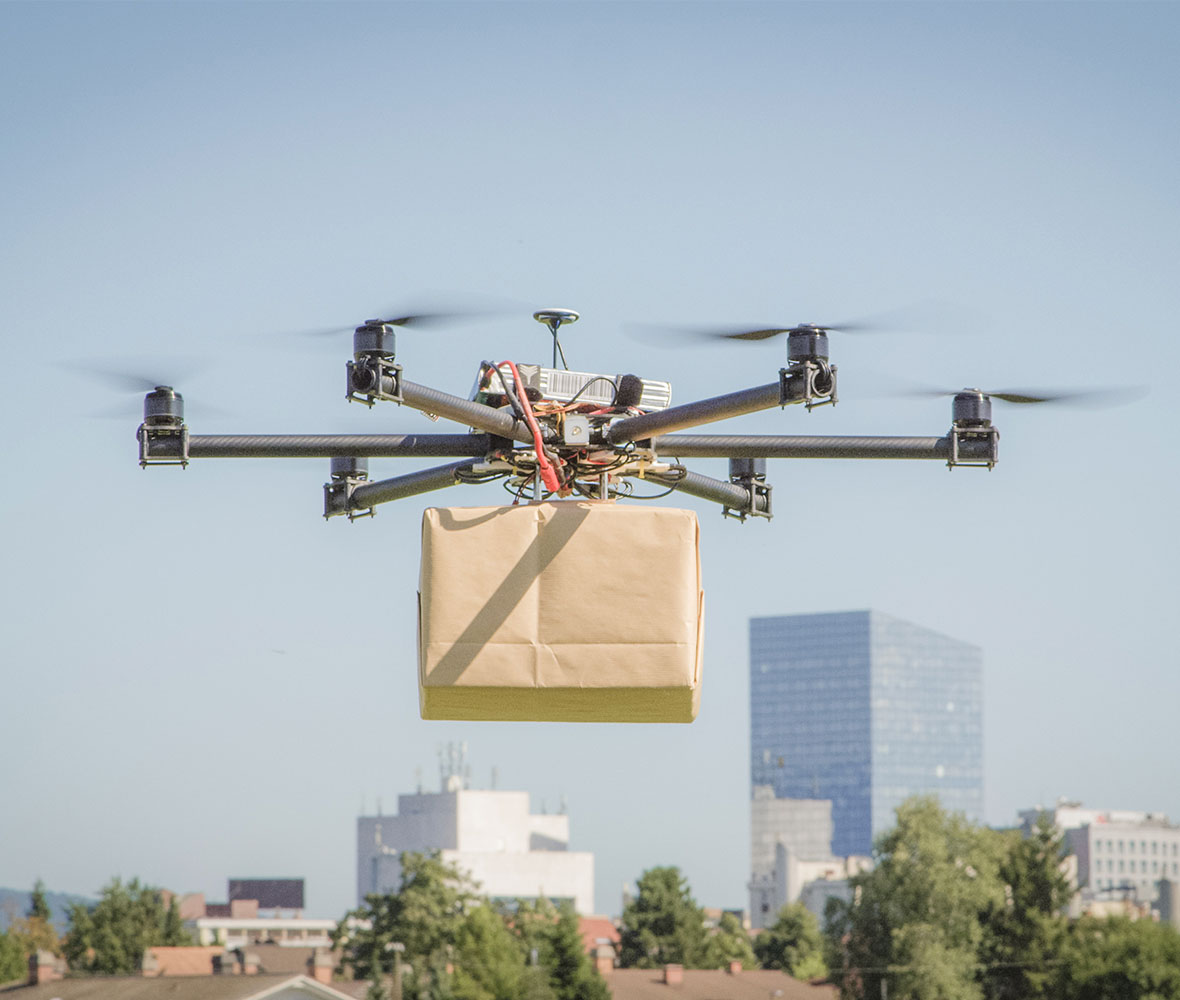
511, 853
791, 856
240, 932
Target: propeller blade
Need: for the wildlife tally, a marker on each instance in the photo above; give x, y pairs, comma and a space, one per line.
129, 382
1063, 397
749, 332
427, 315
427, 320
134, 378
137, 377
1072, 397
925, 317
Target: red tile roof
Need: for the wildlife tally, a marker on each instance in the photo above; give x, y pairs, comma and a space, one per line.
596, 930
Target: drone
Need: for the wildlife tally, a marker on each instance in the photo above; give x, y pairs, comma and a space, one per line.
550, 433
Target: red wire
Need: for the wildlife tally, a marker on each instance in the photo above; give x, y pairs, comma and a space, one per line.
548, 475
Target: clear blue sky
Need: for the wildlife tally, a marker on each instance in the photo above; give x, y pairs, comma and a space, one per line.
202, 679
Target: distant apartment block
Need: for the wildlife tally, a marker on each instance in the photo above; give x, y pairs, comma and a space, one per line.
1118, 853
512, 853
864, 710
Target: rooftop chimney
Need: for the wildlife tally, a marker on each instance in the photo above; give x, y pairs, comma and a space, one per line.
45, 967
604, 959
149, 965
320, 965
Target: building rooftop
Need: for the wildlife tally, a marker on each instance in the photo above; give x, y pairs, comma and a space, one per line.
710, 984
256, 987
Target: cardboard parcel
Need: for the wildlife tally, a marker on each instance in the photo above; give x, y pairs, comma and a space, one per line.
574, 611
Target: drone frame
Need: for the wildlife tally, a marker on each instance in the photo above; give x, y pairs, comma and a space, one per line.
497, 433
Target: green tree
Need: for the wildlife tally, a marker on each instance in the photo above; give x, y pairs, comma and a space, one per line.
173, 932
916, 917
662, 924
489, 962
728, 943
1025, 932
26, 935
572, 976
424, 915
38, 904
531, 921
553, 936
111, 936
1114, 958
793, 943
13, 959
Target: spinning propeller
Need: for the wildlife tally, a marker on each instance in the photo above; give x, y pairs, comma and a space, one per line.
801, 329
425, 315
1067, 397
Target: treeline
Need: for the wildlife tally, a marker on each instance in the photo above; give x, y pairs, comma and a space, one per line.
956, 911
435, 938
664, 925
951, 910
106, 938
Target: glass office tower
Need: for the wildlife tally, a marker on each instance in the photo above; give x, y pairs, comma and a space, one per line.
865, 710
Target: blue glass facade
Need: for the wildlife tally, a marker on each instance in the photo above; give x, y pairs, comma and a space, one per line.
865, 710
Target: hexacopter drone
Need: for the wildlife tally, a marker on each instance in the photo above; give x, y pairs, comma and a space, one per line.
548, 432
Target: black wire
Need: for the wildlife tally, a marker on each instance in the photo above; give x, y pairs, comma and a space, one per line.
520, 412
594, 493
476, 479
508, 392
517, 490
683, 474
655, 496
597, 378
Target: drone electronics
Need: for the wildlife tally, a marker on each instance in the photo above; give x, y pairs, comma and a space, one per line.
552, 433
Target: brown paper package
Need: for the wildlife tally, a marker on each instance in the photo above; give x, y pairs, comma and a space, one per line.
575, 611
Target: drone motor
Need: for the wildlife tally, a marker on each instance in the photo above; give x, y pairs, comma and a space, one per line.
163, 407
972, 408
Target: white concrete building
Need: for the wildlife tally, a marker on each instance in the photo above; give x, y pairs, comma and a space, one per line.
510, 852
791, 856
1117, 852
